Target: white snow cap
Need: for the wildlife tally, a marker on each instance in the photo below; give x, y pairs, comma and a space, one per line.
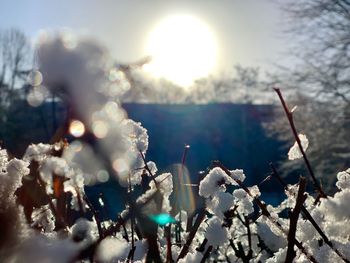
216, 234
220, 203
214, 181
343, 179
37, 152
111, 250
237, 174
294, 151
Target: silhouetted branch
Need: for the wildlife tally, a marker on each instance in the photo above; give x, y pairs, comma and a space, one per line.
186, 246
265, 212
289, 115
308, 216
206, 254
294, 216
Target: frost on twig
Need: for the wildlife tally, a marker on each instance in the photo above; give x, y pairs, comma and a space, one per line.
294, 216
294, 152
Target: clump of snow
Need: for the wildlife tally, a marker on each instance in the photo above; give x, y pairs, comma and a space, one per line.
153, 167
194, 257
279, 256
54, 166
82, 158
237, 174
164, 183
43, 219
111, 250
137, 134
3, 161
41, 248
37, 152
254, 191
272, 240
11, 180
336, 206
213, 182
220, 203
84, 231
16, 169
294, 151
343, 179
216, 234
244, 200
75, 74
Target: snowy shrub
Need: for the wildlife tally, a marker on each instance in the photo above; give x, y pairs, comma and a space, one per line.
45, 215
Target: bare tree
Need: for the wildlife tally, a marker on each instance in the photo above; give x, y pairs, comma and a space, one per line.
327, 127
320, 30
14, 63
319, 84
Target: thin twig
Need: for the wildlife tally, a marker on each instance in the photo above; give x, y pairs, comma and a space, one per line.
294, 216
147, 168
183, 161
186, 246
167, 231
96, 217
206, 254
289, 115
247, 223
58, 216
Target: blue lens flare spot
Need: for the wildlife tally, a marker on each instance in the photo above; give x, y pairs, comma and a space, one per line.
162, 219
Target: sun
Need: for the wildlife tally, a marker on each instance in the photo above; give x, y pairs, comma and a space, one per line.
182, 49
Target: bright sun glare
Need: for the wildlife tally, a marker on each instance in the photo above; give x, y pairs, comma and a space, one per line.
182, 48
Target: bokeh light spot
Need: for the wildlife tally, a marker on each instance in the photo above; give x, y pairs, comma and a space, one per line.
102, 176
36, 96
120, 166
100, 129
35, 78
76, 128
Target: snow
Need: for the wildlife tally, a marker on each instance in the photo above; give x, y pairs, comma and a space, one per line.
3, 161
343, 179
111, 250
294, 152
44, 249
153, 167
214, 181
84, 231
216, 234
272, 240
43, 218
37, 152
238, 174
220, 203
16, 169
194, 257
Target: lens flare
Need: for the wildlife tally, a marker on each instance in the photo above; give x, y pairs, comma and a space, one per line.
183, 189
162, 219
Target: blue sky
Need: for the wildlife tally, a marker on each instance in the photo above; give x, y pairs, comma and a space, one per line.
247, 31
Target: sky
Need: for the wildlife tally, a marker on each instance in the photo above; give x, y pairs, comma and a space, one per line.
247, 32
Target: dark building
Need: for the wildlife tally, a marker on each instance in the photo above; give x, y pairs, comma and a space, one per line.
231, 133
